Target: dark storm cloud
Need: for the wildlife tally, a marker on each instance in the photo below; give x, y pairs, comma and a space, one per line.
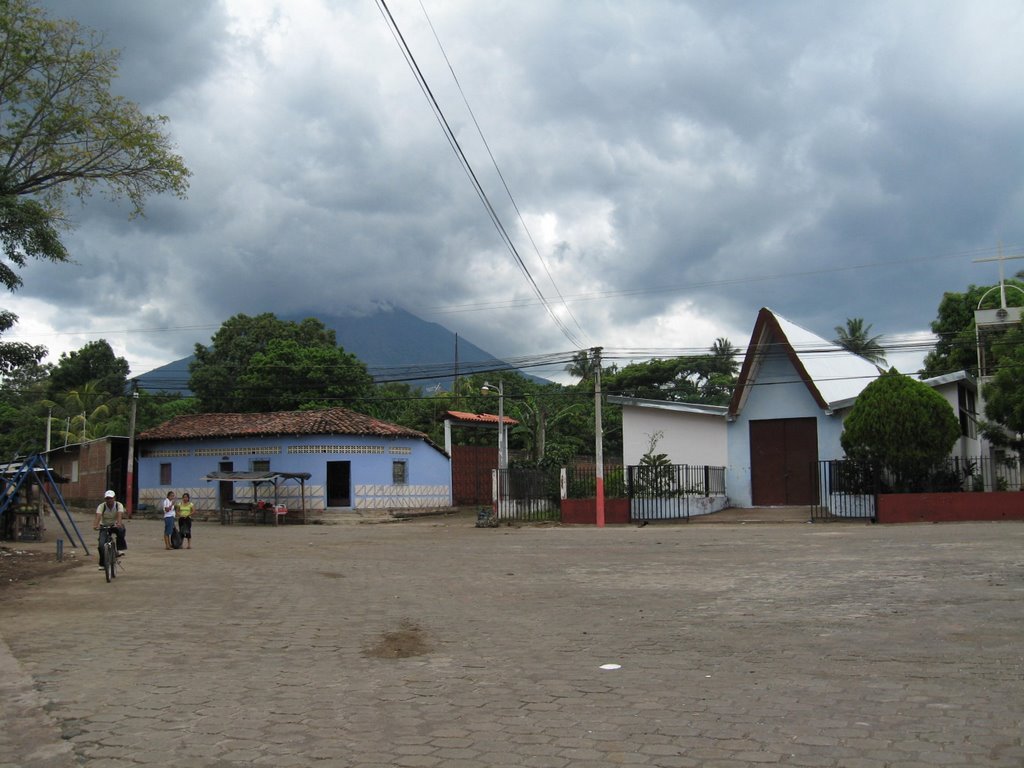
680, 164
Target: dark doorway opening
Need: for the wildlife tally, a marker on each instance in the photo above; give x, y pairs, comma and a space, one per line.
226, 489
339, 483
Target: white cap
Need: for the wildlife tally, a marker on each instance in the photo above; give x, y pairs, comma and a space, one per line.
109, 495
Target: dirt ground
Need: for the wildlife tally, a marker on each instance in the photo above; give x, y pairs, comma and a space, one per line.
21, 565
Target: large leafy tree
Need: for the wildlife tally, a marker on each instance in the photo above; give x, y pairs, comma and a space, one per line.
1004, 393
84, 393
705, 378
263, 363
22, 418
956, 347
901, 424
298, 376
95, 362
856, 337
63, 133
16, 354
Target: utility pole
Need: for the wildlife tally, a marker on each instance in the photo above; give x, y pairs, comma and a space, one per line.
129, 494
598, 440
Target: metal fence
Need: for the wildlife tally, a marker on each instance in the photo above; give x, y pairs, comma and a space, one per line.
664, 492
527, 495
654, 492
581, 481
984, 474
849, 489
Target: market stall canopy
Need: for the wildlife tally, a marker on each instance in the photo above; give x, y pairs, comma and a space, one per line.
259, 478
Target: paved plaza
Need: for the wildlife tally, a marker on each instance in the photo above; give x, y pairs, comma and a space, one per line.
434, 643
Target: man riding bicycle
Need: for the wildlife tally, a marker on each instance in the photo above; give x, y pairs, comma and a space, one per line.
110, 512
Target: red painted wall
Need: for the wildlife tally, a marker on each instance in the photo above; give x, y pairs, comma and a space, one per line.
584, 511
950, 507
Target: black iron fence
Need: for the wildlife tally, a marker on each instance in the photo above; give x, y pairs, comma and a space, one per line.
527, 495
849, 488
581, 481
654, 492
663, 492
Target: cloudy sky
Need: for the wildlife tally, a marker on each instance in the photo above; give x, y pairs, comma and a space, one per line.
674, 167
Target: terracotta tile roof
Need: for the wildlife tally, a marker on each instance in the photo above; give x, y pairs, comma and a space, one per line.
331, 421
479, 418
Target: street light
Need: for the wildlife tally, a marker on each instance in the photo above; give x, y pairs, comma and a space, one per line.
502, 445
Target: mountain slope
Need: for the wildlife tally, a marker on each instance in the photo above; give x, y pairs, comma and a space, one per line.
395, 345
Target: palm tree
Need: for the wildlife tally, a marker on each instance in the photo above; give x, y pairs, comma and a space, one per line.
725, 353
582, 366
855, 338
85, 411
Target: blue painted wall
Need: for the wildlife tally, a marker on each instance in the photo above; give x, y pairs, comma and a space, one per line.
779, 393
428, 480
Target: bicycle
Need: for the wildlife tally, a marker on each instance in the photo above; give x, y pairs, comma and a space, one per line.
108, 551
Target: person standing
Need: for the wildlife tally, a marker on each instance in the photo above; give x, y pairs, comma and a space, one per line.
111, 512
185, 510
170, 512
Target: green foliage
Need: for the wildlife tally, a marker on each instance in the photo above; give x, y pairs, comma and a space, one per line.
16, 354
855, 337
956, 346
86, 413
95, 362
263, 363
84, 394
706, 378
27, 230
583, 365
64, 132
299, 377
901, 424
1004, 393
22, 419
154, 410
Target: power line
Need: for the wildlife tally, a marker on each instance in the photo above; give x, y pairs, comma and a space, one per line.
453, 142
682, 288
501, 176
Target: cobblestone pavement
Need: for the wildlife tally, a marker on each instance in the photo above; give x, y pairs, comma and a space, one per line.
433, 643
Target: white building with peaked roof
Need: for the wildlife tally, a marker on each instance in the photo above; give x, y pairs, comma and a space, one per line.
794, 391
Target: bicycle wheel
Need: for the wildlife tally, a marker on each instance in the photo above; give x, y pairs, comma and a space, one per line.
108, 560
113, 560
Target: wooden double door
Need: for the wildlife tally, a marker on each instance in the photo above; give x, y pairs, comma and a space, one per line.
783, 462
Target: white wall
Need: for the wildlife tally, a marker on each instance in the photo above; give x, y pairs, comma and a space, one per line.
688, 438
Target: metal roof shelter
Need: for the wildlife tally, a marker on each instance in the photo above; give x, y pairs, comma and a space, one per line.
261, 478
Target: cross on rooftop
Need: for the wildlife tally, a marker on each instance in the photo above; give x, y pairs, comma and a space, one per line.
1001, 258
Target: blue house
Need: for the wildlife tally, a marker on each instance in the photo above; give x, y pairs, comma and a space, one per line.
354, 463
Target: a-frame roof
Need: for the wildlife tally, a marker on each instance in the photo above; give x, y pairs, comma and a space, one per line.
830, 373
